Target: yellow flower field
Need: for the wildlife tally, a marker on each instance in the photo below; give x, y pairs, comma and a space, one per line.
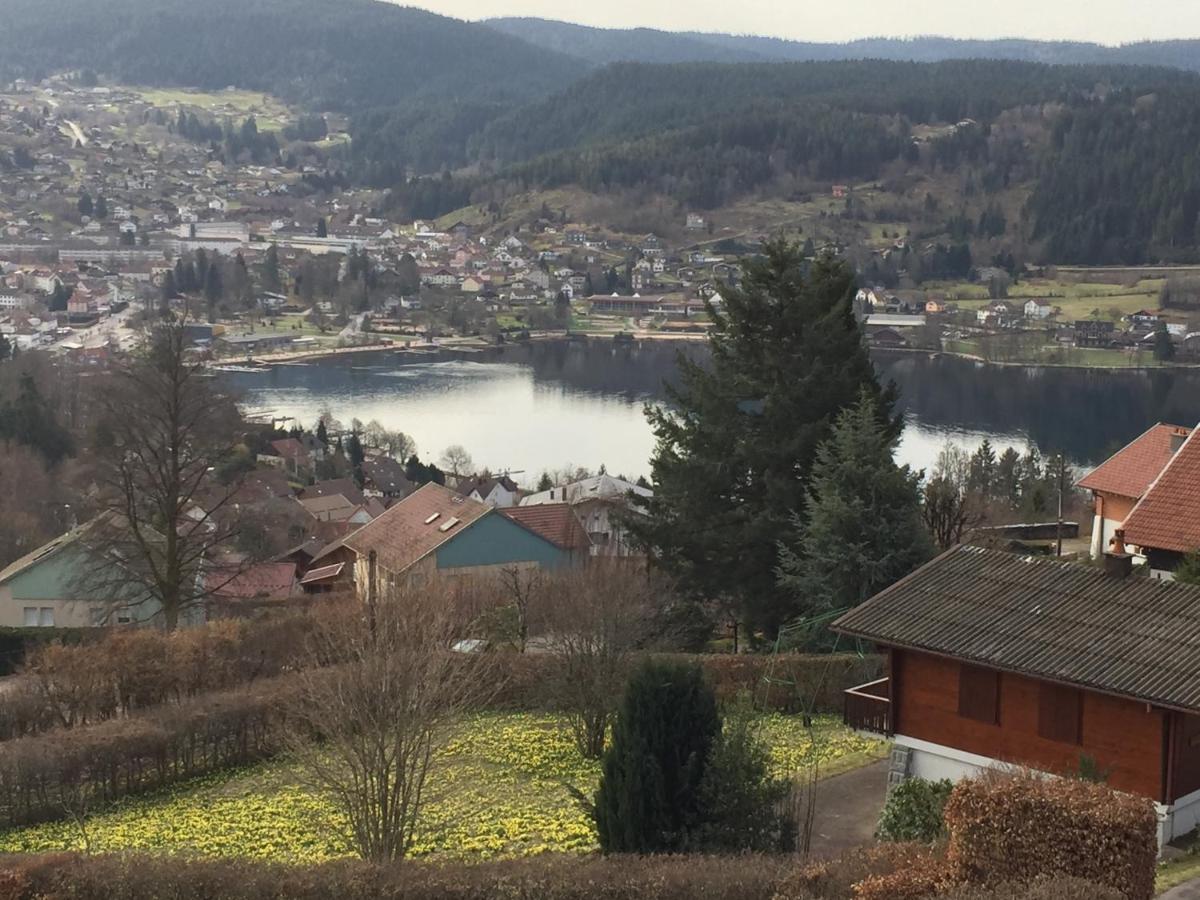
498, 790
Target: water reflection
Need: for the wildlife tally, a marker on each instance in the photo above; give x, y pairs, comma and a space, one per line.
544, 405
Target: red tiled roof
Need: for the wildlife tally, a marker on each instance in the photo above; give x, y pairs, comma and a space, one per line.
270, 580
1168, 516
1131, 470
413, 527
553, 521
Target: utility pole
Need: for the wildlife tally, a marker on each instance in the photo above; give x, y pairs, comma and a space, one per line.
1062, 476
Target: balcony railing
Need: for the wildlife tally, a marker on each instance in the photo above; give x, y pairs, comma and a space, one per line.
867, 708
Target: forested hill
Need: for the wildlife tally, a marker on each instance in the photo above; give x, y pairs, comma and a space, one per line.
345, 54
606, 45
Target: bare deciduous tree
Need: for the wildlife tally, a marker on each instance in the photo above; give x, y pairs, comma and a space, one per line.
456, 459
382, 713
165, 428
595, 618
949, 508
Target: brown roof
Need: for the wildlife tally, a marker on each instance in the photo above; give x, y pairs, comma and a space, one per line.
1132, 469
265, 580
553, 521
1038, 616
332, 487
1168, 516
325, 573
414, 527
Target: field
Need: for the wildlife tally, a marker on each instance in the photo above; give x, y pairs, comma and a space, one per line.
497, 791
270, 114
1077, 299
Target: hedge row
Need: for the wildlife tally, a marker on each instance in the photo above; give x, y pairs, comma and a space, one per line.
68, 684
71, 771
1017, 827
788, 682
139, 877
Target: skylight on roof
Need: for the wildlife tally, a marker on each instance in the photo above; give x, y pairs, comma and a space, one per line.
448, 524
432, 518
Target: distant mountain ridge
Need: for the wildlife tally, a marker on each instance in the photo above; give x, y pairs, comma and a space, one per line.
600, 46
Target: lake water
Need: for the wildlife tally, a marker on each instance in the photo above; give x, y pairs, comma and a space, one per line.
547, 405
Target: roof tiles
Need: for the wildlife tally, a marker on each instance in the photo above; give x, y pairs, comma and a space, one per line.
1131, 470
1168, 516
1064, 622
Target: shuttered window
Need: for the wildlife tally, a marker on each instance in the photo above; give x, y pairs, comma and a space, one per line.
1060, 713
979, 694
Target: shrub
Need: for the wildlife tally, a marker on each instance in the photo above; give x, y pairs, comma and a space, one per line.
69, 682
145, 877
649, 798
1050, 888
835, 879
913, 811
741, 805
69, 772
1021, 827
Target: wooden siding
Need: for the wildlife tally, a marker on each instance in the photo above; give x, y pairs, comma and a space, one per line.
1124, 737
1185, 759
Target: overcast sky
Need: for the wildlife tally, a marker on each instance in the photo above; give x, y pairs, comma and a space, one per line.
1103, 21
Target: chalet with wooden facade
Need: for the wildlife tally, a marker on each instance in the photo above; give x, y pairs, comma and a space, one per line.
996, 658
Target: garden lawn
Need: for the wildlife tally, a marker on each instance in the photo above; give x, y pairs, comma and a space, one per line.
499, 789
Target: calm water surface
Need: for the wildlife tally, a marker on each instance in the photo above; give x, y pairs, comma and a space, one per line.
548, 405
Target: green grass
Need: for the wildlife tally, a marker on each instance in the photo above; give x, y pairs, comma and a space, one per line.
498, 790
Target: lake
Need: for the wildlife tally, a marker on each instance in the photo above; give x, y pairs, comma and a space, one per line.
528, 408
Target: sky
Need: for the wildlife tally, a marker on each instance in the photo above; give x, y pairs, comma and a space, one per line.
1100, 21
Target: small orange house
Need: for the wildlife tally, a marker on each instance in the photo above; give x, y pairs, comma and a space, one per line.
1119, 482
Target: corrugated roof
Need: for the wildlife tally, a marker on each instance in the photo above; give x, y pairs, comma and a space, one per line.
1168, 516
1064, 622
553, 521
411, 528
1131, 470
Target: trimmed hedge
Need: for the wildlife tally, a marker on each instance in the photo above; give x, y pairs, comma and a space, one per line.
144, 877
549, 877
1021, 827
797, 682
71, 771
68, 683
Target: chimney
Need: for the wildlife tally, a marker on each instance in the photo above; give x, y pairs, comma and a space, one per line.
1118, 565
1178, 436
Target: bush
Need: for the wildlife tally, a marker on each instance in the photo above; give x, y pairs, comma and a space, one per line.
68, 683
1051, 888
649, 795
1021, 827
742, 806
69, 772
146, 877
835, 879
913, 811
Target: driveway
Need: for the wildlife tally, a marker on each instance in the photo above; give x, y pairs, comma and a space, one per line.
848, 808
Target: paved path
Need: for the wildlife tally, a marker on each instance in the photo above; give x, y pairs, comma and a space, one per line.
848, 808
1189, 890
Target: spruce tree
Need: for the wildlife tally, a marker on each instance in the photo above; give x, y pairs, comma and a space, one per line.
861, 527
738, 437
86, 208
649, 799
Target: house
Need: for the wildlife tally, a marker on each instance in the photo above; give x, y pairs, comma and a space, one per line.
694, 222
57, 586
1145, 318
996, 658
1094, 332
1038, 308
1119, 482
1164, 525
557, 523
249, 590
385, 477
500, 491
435, 532
934, 306
337, 508
599, 502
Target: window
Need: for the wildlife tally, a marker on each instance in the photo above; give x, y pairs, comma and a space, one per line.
31, 617
46, 617
979, 694
1060, 713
